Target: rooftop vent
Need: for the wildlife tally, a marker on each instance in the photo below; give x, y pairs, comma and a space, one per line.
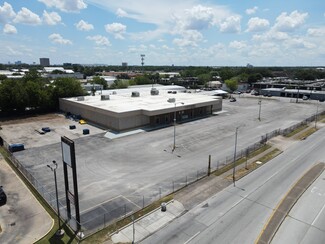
135, 94
104, 97
154, 91
171, 100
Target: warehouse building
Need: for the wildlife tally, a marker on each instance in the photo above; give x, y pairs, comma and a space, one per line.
136, 107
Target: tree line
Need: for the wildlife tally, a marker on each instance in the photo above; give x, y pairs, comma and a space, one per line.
35, 94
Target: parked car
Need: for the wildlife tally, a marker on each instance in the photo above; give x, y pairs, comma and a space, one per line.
82, 122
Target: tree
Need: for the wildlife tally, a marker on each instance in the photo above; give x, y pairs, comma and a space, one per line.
232, 84
13, 95
100, 81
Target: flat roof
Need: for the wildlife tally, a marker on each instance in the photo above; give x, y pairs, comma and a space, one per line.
121, 100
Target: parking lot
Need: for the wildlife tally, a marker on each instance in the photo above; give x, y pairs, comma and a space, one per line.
121, 175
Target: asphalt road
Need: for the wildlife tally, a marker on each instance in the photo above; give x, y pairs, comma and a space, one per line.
238, 214
306, 221
122, 175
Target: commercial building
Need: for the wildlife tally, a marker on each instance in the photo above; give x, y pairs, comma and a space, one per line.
44, 61
138, 107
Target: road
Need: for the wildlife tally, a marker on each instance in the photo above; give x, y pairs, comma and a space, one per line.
306, 221
238, 214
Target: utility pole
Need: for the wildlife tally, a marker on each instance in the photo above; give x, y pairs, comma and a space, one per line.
234, 168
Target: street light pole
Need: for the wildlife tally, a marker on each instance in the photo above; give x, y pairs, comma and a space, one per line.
133, 234
54, 168
316, 116
174, 146
234, 168
259, 111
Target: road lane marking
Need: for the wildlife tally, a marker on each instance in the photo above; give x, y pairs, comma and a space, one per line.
192, 237
318, 215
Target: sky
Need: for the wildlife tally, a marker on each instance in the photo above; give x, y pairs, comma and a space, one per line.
167, 32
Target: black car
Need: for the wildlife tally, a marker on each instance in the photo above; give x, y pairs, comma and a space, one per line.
3, 197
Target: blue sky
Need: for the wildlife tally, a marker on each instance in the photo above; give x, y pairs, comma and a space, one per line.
179, 32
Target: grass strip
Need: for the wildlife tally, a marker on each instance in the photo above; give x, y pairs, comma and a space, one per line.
241, 160
252, 166
306, 133
296, 131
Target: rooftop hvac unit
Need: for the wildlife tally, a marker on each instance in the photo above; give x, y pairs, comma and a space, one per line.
104, 97
135, 94
81, 98
171, 100
154, 91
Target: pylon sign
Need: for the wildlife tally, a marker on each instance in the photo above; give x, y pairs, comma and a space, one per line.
69, 159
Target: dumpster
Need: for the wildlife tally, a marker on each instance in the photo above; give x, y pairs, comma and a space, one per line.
85, 131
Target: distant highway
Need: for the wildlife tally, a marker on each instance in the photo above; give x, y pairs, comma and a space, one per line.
238, 214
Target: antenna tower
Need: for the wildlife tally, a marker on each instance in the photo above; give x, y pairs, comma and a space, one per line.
142, 59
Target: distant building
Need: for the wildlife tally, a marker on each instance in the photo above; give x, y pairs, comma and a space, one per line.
17, 62
124, 64
44, 61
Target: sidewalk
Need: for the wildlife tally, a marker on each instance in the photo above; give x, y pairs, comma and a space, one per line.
148, 224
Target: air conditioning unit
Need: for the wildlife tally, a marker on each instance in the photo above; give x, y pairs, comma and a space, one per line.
135, 94
154, 91
104, 97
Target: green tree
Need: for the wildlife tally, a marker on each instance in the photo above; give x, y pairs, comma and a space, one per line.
100, 81
232, 84
14, 96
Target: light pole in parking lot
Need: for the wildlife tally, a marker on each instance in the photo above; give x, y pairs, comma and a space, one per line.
54, 168
234, 168
175, 103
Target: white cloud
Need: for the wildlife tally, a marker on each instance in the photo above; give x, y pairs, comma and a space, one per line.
197, 18
25, 16
117, 29
190, 38
237, 45
168, 16
251, 10
121, 13
316, 32
6, 13
298, 43
52, 18
99, 40
231, 24
9, 29
58, 39
257, 24
65, 5
84, 26
271, 35
288, 23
